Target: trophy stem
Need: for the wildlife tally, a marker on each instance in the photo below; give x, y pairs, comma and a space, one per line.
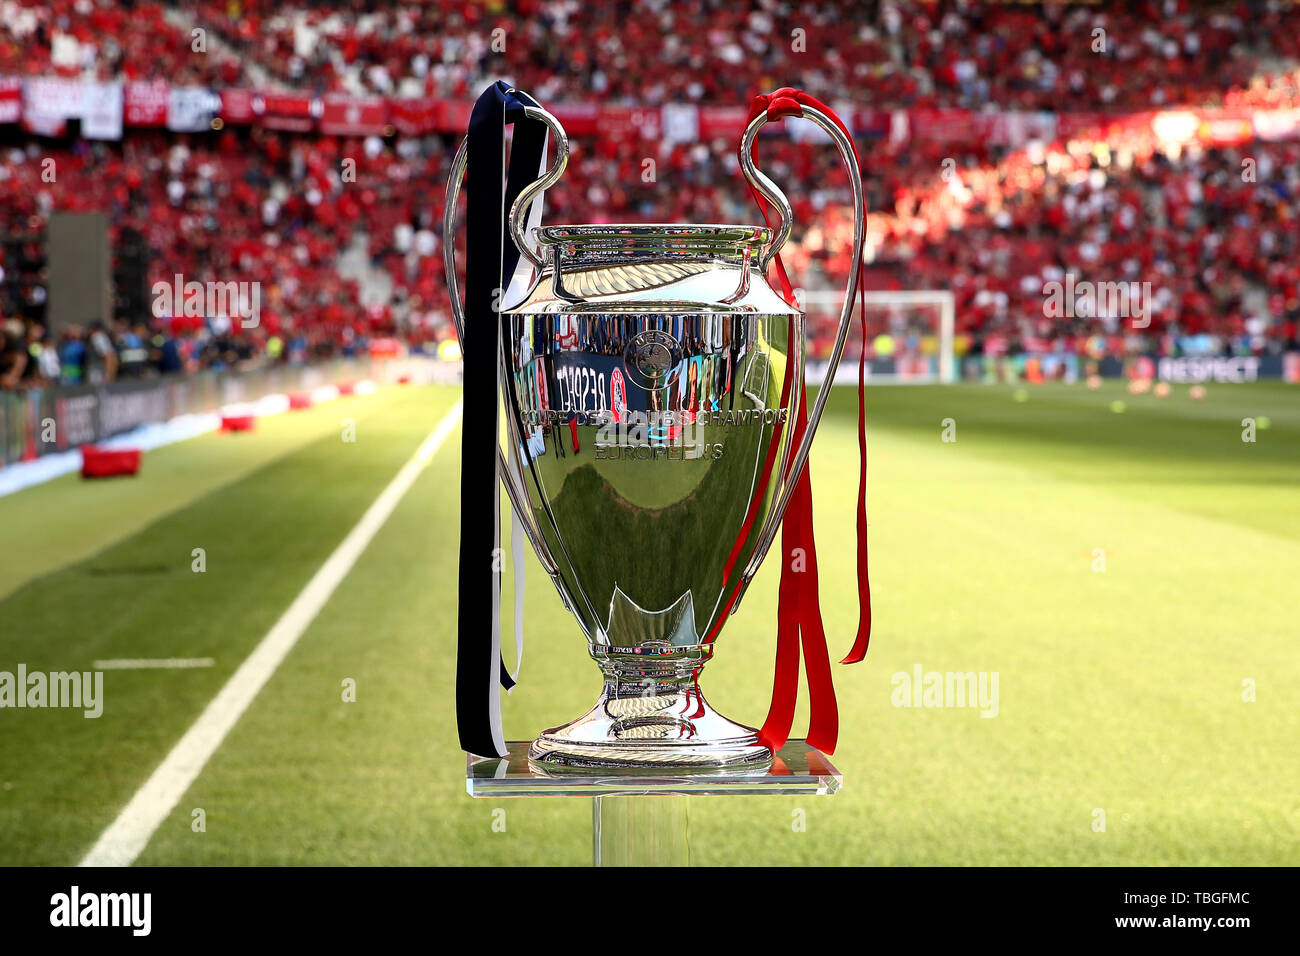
641, 830
651, 715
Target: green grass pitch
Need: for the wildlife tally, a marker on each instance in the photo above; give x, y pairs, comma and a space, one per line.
1122, 687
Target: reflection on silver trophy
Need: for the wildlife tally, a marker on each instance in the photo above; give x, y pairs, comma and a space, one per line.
647, 381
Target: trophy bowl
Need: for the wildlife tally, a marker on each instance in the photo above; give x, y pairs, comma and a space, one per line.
651, 385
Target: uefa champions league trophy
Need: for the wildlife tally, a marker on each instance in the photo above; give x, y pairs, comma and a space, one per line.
647, 380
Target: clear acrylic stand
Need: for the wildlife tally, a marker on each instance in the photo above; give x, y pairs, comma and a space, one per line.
653, 830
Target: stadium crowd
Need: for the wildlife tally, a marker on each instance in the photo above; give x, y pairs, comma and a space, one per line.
210, 209
106, 39
891, 53
1219, 247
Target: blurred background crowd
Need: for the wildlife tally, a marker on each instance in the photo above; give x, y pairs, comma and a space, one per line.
345, 258
650, 52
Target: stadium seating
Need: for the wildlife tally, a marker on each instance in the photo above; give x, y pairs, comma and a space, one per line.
891, 54
993, 224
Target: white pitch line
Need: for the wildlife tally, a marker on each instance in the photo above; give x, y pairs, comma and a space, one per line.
128, 835
152, 663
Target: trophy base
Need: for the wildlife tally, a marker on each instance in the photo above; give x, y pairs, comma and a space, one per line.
672, 732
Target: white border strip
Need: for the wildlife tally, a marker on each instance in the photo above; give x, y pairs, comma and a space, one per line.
130, 833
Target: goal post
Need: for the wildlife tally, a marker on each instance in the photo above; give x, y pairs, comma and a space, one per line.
910, 337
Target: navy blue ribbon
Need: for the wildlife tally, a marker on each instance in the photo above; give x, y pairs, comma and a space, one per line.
490, 262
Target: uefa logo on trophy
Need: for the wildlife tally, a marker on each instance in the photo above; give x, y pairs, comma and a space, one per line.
651, 383
652, 359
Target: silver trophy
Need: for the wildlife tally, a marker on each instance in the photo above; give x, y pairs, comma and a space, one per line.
653, 452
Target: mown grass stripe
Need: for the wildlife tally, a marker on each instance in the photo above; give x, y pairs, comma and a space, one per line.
129, 834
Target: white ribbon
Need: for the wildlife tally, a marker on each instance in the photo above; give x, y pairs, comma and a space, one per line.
517, 288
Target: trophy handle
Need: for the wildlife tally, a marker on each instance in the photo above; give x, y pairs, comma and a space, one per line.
773, 194
515, 488
519, 211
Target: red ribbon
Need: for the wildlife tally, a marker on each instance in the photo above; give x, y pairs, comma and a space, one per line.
798, 604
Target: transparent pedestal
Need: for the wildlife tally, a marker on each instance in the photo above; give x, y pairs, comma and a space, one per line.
642, 819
